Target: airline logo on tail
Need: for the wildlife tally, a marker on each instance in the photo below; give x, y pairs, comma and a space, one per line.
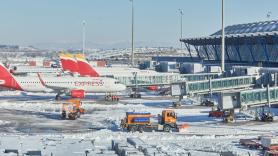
68, 63
78, 64
85, 69
7, 80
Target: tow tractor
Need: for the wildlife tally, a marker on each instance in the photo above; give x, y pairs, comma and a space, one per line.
71, 109
136, 121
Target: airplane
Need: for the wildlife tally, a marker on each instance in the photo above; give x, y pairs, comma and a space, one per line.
23, 70
85, 69
76, 87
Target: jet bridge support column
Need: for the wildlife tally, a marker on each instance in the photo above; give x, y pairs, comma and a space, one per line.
177, 89
268, 97
178, 103
135, 94
230, 117
210, 87
275, 79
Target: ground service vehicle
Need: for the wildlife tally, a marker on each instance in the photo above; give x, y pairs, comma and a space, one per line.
77, 103
207, 103
250, 143
268, 145
112, 98
216, 112
267, 117
271, 153
135, 121
71, 109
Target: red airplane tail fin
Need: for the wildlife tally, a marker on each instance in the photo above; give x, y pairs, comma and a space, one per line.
4, 73
7, 80
85, 69
68, 63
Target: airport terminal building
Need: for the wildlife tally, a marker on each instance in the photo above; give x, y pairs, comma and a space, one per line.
251, 44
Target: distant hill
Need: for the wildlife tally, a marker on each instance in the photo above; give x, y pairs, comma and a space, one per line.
92, 45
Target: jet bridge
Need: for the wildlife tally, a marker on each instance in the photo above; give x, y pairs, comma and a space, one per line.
249, 98
162, 79
148, 79
250, 102
213, 85
200, 76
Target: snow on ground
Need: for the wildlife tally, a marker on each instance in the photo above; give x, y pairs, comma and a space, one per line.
32, 121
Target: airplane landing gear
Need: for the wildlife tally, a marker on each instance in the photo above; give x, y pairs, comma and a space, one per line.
135, 95
58, 97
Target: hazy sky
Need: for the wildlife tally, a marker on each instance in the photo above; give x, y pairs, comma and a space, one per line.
41, 21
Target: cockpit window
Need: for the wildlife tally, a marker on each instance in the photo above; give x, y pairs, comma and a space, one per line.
117, 82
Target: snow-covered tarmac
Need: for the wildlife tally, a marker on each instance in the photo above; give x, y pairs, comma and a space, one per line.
32, 122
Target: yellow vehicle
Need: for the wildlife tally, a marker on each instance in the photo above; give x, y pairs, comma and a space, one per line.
77, 103
71, 109
135, 121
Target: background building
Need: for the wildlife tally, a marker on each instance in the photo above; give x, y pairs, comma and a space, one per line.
250, 44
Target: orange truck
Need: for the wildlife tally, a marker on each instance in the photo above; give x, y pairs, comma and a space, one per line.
136, 121
71, 109
77, 103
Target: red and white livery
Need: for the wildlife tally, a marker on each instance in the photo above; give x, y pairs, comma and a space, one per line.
69, 85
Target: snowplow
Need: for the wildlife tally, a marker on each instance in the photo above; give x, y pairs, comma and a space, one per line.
71, 109
141, 121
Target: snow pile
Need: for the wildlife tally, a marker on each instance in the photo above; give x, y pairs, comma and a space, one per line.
37, 121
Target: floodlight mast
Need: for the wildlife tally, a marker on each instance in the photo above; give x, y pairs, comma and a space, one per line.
83, 36
223, 41
132, 33
181, 23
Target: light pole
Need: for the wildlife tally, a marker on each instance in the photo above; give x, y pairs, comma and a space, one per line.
181, 14
223, 41
83, 37
132, 33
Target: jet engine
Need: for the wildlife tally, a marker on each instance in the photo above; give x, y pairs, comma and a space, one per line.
77, 94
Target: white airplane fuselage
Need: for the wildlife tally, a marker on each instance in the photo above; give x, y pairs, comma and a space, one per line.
68, 83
